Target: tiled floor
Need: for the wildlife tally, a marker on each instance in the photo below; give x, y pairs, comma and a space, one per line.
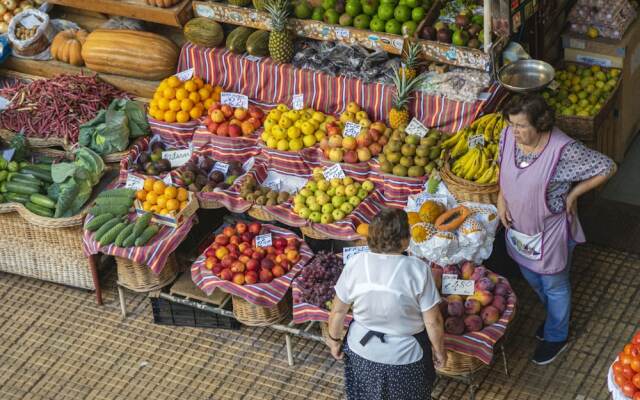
55, 343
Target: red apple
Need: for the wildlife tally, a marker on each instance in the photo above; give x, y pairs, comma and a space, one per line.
277, 271
215, 246
210, 262
215, 106
227, 260
257, 255
266, 263
279, 243
293, 242
265, 276
222, 240
350, 157
293, 256
247, 237
227, 110
363, 139
248, 252
375, 134
244, 259
232, 248
255, 112
255, 228
287, 265
250, 277
255, 122
235, 239
237, 266
252, 265
241, 228
280, 258
271, 250
324, 143
332, 129
238, 278
226, 274
216, 270
243, 246
212, 127
207, 120
375, 149
235, 130
210, 252
241, 114
223, 129
228, 231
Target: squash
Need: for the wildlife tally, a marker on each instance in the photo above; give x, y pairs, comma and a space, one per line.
204, 32
258, 44
67, 46
237, 39
136, 54
430, 210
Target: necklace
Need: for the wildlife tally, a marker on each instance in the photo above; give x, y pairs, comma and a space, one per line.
525, 164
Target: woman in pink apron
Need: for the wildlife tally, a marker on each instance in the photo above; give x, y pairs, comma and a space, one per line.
543, 172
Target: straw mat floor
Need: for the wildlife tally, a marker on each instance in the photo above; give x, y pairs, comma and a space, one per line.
55, 343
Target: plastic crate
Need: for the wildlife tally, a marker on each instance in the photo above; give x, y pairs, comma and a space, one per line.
166, 312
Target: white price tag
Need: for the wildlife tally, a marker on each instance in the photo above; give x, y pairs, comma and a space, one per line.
134, 182
177, 158
168, 180
236, 100
461, 287
351, 129
222, 167
349, 252
30, 21
416, 128
333, 172
4, 103
247, 165
297, 103
273, 185
475, 141
484, 96
263, 240
603, 62
186, 74
253, 58
341, 33
8, 154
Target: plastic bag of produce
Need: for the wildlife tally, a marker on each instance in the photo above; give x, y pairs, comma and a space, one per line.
30, 33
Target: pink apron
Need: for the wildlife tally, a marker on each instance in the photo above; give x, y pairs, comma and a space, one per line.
538, 238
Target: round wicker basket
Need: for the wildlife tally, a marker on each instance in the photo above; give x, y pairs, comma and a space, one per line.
253, 315
140, 278
260, 213
464, 190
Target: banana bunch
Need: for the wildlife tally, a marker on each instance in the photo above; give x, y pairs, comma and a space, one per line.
477, 162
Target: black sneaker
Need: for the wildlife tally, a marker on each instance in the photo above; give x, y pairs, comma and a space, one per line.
546, 352
540, 332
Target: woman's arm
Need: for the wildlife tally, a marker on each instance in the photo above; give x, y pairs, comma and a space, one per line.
503, 211
585, 186
435, 328
338, 313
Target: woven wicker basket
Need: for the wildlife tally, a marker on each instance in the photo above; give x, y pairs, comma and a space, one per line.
260, 213
115, 157
209, 204
464, 190
140, 278
253, 315
7, 135
312, 233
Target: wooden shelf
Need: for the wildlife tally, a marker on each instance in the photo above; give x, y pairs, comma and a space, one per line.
177, 15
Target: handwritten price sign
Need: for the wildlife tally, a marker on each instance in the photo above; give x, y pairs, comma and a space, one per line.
263, 240
236, 100
177, 158
452, 285
333, 172
416, 128
222, 167
185, 75
297, 103
273, 185
349, 252
134, 182
475, 141
351, 129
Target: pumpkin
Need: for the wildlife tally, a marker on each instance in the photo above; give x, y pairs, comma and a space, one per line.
204, 32
67, 46
136, 54
430, 210
162, 3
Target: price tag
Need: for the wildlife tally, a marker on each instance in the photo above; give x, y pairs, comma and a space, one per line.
351, 129
273, 185
475, 141
333, 172
253, 58
246, 166
134, 182
349, 252
186, 74
222, 167
297, 103
263, 240
4, 103
30, 21
177, 158
462, 287
484, 96
416, 128
168, 180
236, 100
341, 33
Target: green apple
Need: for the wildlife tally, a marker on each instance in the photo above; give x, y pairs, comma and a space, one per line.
331, 191
362, 194
318, 14
323, 198
303, 10
385, 12
304, 213
355, 200
370, 7
338, 215
326, 219
312, 185
335, 182
353, 7
368, 186
327, 208
298, 207
347, 180
337, 201
402, 13
409, 28
362, 21
346, 208
315, 207
328, 4
340, 190
324, 185
350, 191
315, 216
331, 16
311, 200
299, 199
393, 27
376, 25
306, 193
418, 14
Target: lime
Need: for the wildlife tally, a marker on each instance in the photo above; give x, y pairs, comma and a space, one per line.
353, 8
331, 16
393, 27
370, 7
409, 28
402, 13
385, 12
417, 14
318, 14
376, 24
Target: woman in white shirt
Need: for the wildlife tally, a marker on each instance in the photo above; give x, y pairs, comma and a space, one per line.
393, 299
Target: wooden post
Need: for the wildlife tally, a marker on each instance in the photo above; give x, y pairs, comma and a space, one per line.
93, 266
487, 25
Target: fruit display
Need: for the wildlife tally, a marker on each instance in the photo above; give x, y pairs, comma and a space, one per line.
467, 314
280, 37
67, 46
477, 163
151, 162
237, 39
411, 155
11, 8
323, 201
458, 24
293, 130
234, 256
204, 32
626, 370
596, 18
399, 113
583, 90
160, 198
224, 120
250, 190
353, 149
391, 16
202, 175
317, 280
176, 101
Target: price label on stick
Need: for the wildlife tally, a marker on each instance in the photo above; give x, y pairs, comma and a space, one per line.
297, 102
186, 74
349, 252
134, 182
177, 158
8, 154
461, 287
236, 100
351, 129
168, 180
416, 128
222, 167
333, 172
263, 240
475, 141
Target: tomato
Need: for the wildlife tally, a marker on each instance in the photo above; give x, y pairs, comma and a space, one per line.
636, 396
625, 359
635, 364
620, 380
617, 368
636, 381
627, 372
628, 389
627, 349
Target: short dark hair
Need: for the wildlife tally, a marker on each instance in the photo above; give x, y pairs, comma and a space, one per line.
540, 115
388, 229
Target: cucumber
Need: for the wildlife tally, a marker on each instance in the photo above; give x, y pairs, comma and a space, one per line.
111, 234
23, 178
42, 166
97, 222
106, 227
142, 223
107, 209
130, 240
22, 188
17, 198
124, 234
42, 200
38, 173
39, 210
3, 175
3, 187
114, 201
121, 192
148, 233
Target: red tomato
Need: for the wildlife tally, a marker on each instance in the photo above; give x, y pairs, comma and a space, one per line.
620, 380
617, 368
636, 396
625, 359
627, 372
636, 381
628, 389
627, 348
635, 364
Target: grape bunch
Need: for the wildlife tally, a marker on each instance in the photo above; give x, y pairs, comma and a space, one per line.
318, 279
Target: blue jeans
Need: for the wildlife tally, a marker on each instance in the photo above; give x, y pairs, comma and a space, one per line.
555, 293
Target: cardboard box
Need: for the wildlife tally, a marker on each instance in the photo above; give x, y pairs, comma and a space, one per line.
623, 54
172, 220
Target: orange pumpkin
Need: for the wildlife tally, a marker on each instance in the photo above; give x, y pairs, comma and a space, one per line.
67, 46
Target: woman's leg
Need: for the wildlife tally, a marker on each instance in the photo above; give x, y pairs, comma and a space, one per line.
535, 281
557, 289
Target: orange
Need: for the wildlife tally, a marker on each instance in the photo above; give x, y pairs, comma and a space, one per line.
204, 93
170, 192
158, 187
173, 81
169, 93
181, 93
195, 97
183, 205
159, 115
152, 197
162, 86
163, 211
161, 202
148, 184
182, 117
153, 111
141, 195
208, 103
195, 113
190, 86
146, 206
172, 204
163, 104
186, 105
170, 116
183, 195
153, 103
174, 105
198, 81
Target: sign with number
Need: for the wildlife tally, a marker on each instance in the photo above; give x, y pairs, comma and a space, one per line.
134, 182
333, 172
475, 141
349, 252
351, 129
416, 128
273, 185
263, 240
177, 158
186, 74
297, 102
461, 287
236, 100
222, 167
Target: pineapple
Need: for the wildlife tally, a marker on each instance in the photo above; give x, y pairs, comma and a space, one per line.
399, 113
258, 5
280, 38
411, 62
240, 3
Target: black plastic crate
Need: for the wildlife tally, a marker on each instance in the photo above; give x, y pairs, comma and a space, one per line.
166, 312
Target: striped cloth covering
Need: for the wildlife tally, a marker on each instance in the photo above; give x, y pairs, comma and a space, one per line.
223, 146
260, 294
268, 83
395, 189
177, 136
154, 254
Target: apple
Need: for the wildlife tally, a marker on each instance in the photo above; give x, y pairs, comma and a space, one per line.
280, 258
271, 257
237, 266
277, 271
255, 228
375, 149
247, 237
350, 156
216, 270
363, 139
368, 186
223, 129
217, 116
210, 262
350, 191
221, 253
241, 114
227, 261
232, 248
279, 243
226, 274
324, 143
364, 154
252, 265
235, 239
293, 256
266, 263
212, 126
222, 240
243, 246
265, 276
244, 259
247, 252
374, 134
235, 130
250, 277
349, 143
346, 208
279, 252
227, 110
228, 231
271, 250
210, 252
354, 201
332, 129
215, 106
238, 278
241, 228
287, 265
337, 215
293, 242
336, 154
257, 254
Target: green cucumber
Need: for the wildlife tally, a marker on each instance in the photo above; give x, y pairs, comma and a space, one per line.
105, 227
42, 166
17, 197
3, 175
121, 192
108, 209
3, 187
22, 188
39, 210
38, 173
111, 234
142, 223
124, 234
25, 179
97, 222
114, 201
129, 241
148, 233
42, 200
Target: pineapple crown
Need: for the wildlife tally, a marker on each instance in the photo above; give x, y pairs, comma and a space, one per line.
404, 86
279, 12
411, 55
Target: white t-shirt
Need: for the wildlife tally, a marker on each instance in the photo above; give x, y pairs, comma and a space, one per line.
388, 294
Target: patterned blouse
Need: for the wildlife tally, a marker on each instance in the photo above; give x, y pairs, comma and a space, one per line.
577, 163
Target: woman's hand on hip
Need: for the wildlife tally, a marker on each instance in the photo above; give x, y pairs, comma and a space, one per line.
439, 359
503, 212
335, 347
572, 203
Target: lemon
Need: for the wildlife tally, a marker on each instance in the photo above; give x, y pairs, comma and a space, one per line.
282, 108
181, 93
169, 93
285, 122
275, 114
272, 142
191, 86
296, 144
293, 115
278, 132
173, 82
265, 136
294, 132
170, 116
270, 123
283, 145
174, 105
163, 104
182, 116
318, 116
309, 140
319, 135
186, 104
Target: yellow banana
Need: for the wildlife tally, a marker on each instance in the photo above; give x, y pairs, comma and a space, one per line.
460, 148
497, 130
473, 164
496, 174
484, 165
481, 120
487, 175
453, 140
488, 130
